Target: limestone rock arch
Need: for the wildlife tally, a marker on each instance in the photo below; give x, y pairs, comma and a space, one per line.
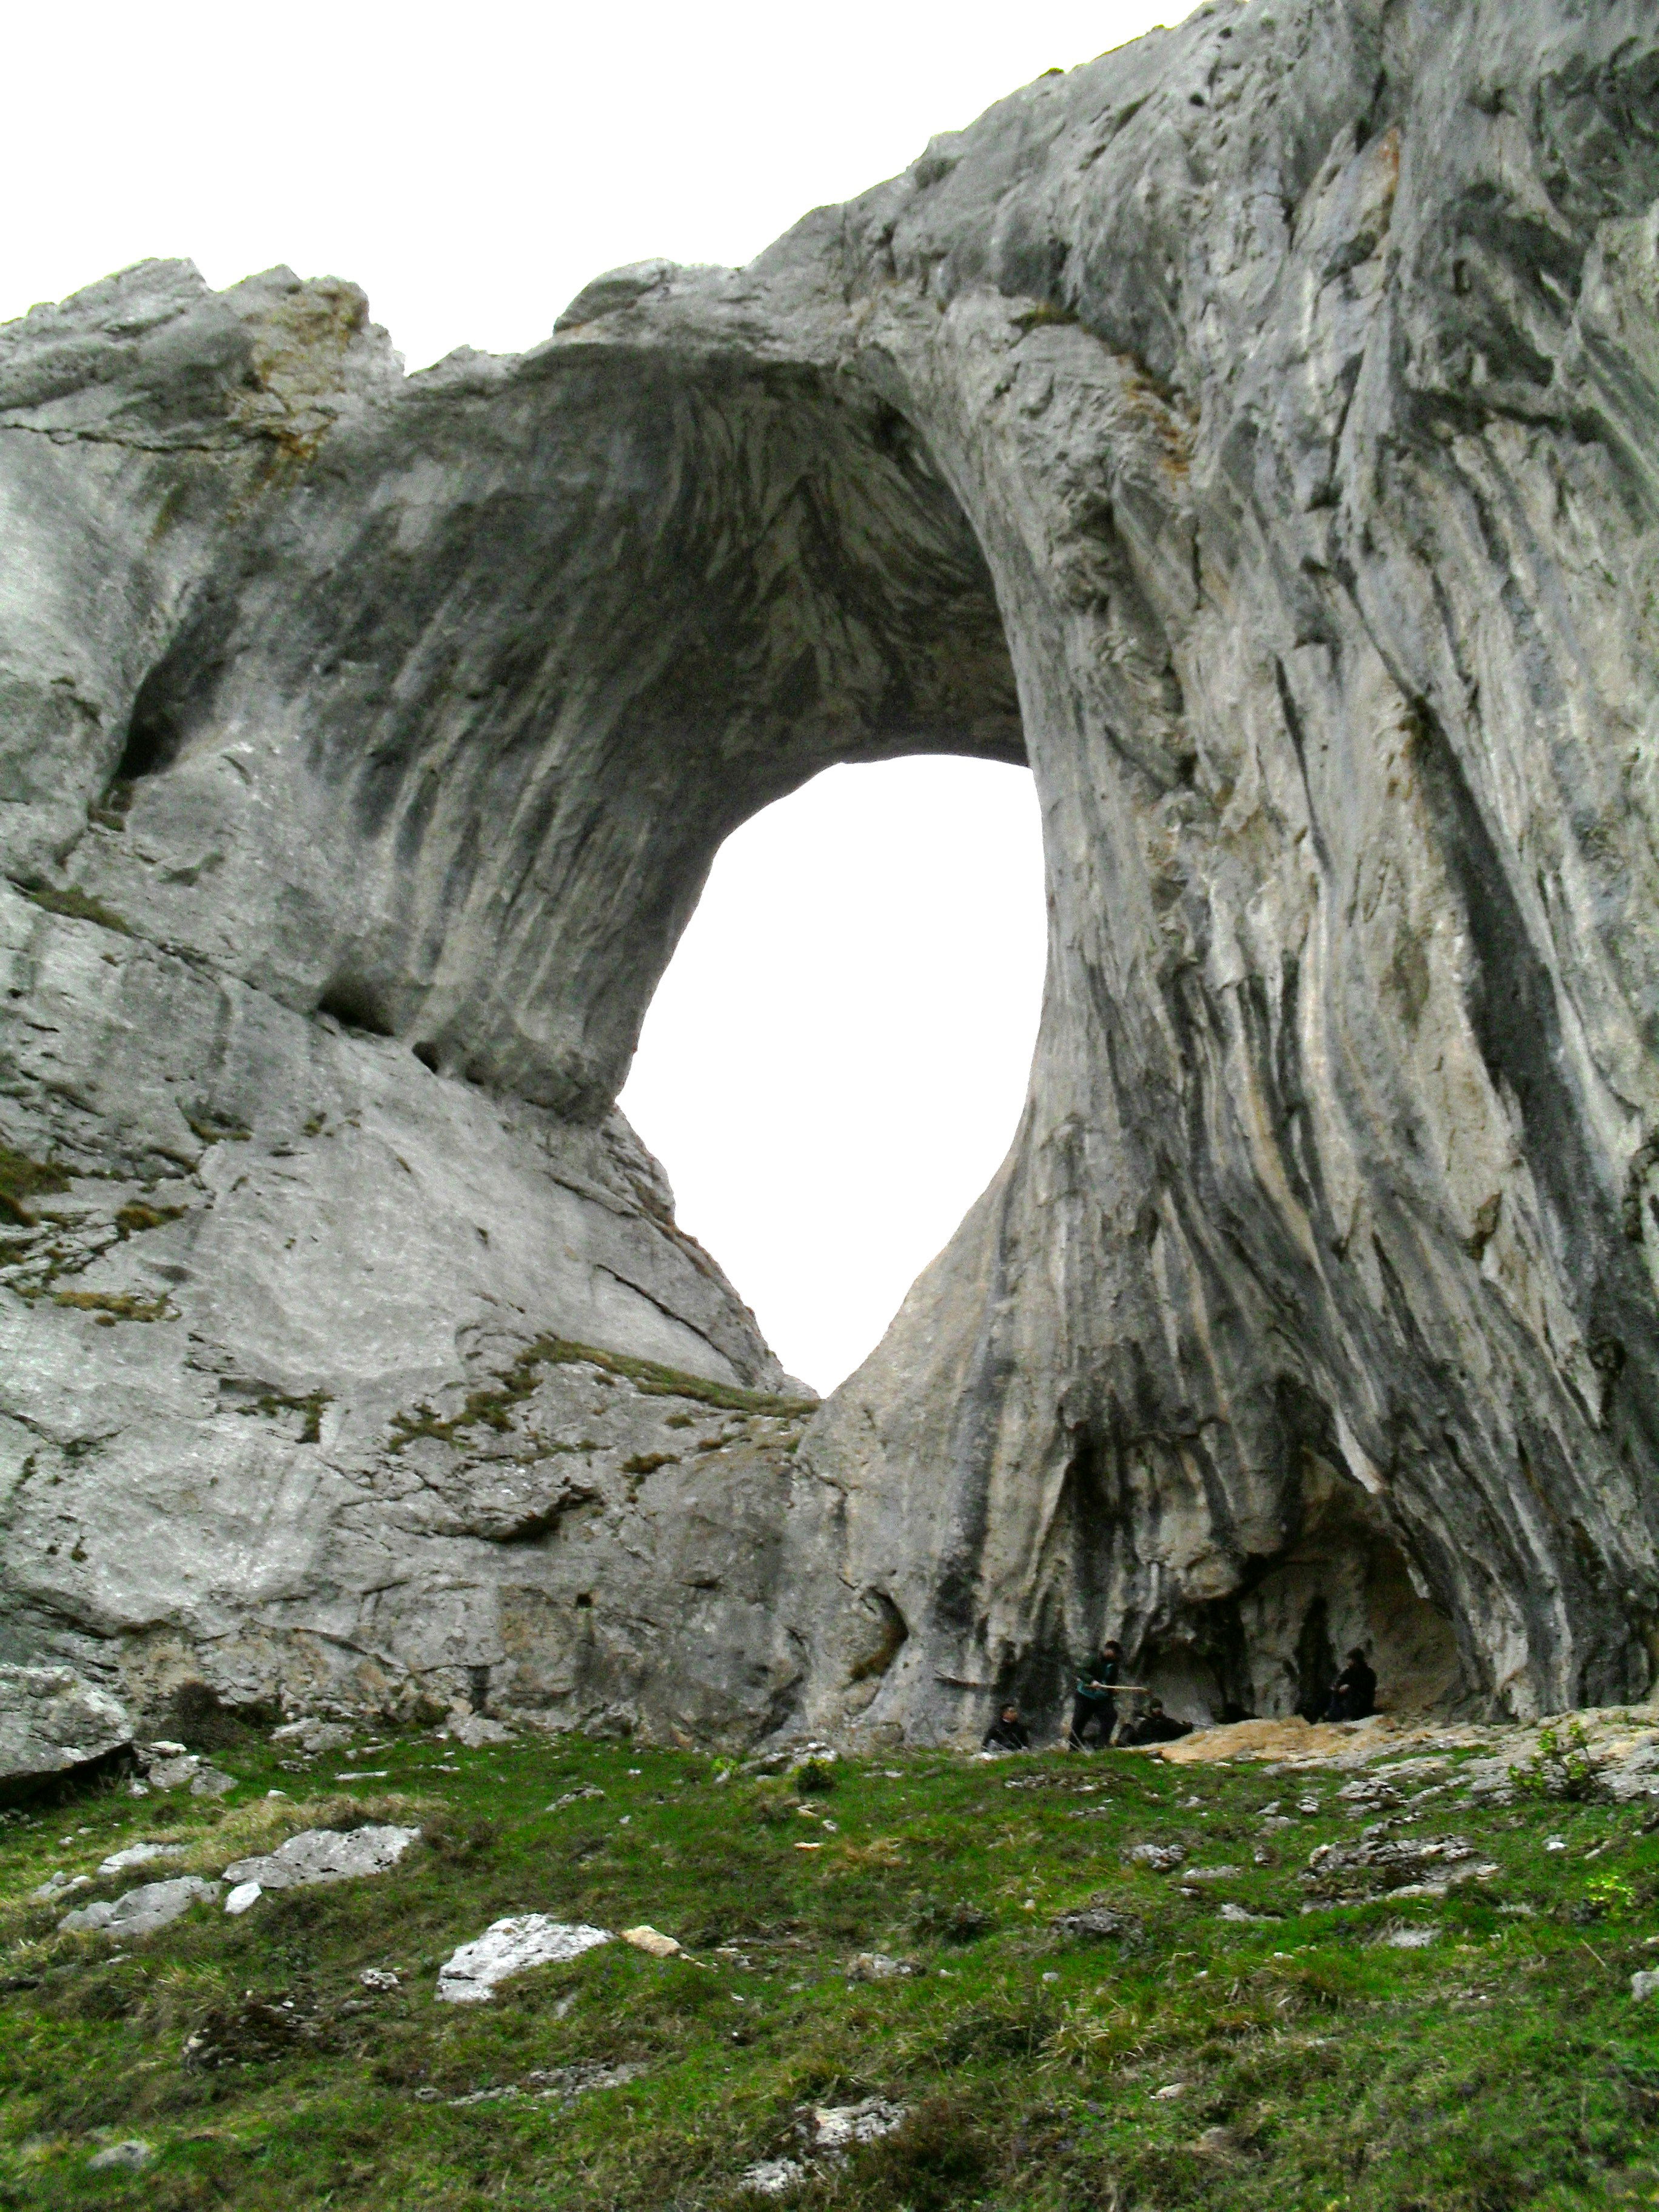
1254, 430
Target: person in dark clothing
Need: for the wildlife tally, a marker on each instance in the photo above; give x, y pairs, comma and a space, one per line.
1094, 1706
1008, 1732
1157, 1726
1353, 1693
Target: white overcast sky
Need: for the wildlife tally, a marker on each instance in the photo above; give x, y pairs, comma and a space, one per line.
834, 1064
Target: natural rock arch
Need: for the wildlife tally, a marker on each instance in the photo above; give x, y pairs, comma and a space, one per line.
513, 720
1270, 407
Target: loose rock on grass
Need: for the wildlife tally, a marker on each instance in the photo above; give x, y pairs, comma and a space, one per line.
141, 1911
325, 1855
470, 1975
652, 1940
140, 1854
123, 2157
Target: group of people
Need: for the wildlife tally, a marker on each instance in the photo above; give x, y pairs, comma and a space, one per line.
1100, 1684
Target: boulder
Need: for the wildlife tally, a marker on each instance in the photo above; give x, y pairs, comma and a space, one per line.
168, 1767
839, 2127
476, 1729
880, 1966
129, 2157
559, 2084
59, 1885
54, 1722
652, 1940
1098, 1924
470, 1975
772, 2177
142, 1911
140, 1854
1159, 1857
313, 1737
324, 1855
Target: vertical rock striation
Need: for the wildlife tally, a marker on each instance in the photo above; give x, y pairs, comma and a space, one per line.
1255, 429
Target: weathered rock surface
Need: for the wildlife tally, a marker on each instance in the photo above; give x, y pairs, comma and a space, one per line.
325, 1855
827, 2132
1256, 430
141, 1911
471, 1974
139, 1854
131, 2157
53, 1723
313, 1736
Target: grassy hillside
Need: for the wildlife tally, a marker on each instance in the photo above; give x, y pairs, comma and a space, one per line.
1304, 2060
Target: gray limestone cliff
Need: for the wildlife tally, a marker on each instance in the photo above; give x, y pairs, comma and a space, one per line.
1256, 430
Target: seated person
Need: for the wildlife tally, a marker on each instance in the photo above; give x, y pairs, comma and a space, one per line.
1156, 1726
1353, 1693
1008, 1732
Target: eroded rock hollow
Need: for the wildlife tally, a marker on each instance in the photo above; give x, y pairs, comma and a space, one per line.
1255, 429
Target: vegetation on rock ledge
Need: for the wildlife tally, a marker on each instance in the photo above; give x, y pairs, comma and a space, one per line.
494, 1408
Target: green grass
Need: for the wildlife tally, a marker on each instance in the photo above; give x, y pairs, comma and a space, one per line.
22, 1179
114, 1305
77, 905
1503, 2066
493, 1408
273, 1403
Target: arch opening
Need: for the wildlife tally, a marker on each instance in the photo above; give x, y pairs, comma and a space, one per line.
836, 1060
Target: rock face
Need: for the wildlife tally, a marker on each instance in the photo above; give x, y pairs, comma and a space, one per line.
1256, 430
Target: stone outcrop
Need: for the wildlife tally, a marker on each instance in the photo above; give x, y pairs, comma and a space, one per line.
53, 1724
142, 1911
1255, 430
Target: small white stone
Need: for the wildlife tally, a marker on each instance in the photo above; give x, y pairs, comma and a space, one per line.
246, 1894
130, 2157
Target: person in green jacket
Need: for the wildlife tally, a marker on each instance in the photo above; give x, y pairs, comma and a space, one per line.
1095, 1704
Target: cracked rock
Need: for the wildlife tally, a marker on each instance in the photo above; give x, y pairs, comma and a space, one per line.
325, 1855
